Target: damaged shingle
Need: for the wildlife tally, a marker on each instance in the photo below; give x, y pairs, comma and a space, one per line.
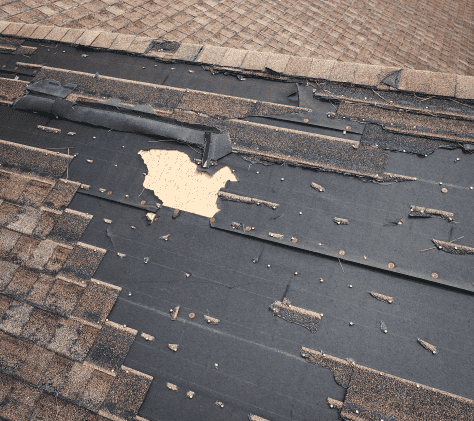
427, 346
382, 297
244, 199
300, 316
452, 248
421, 212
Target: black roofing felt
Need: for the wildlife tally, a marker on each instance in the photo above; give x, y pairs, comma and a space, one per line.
235, 279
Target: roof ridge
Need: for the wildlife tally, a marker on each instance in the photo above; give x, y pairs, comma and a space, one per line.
411, 80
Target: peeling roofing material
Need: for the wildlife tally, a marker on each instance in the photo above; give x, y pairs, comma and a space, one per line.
319, 143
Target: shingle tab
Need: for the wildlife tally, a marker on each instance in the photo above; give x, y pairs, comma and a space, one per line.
41, 254
48, 219
35, 364
56, 34
187, 52
35, 160
96, 390
70, 226
24, 248
254, 60
12, 29
61, 194
87, 38
321, 69
41, 327
465, 87
211, 54
21, 283
428, 82
72, 35
56, 374
111, 346
298, 66
26, 221
97, 301
82, 263
8, 240
127, 393
14, 353
58, 258
19, 402
40, 289
277, 62
77, 381
233, 58
34, 193
63, 297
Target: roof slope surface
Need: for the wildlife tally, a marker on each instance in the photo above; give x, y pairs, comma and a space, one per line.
425, 35
366, 262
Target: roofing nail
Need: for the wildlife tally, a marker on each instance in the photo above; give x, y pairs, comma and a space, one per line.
192, 315
321, 279
350, 286
444, 190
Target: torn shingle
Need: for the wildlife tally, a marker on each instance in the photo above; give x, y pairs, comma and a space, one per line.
382, 297
427, 346
300, 316
238, 198
421, 212
70, 226
451, 247
97, 301
127, 393
61, 194
82, 263
29, 159
111, 346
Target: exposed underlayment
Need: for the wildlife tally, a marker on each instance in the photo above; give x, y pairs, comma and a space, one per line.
300, 316
178, 183
372, 394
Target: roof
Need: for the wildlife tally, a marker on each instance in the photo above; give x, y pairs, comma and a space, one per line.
426, 35
350, 222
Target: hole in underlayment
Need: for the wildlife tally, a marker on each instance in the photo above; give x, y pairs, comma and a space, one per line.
176, 180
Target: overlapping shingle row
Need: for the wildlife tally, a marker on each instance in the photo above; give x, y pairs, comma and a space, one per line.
268, 63
59, 354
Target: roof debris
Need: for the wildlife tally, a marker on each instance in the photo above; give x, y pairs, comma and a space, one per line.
171, 386
383, 327
279, 236
165, 237
238, 198
146, 260
333, 403
256, 418
211, 320
49, 129
421, 212
107, 221
121, 255
300, 316
452, 248
173, 347
190, 394
147, 337
219, 403
382, 297
71, 133
427, 346
317, 187
151, 217
341, 221
174, 313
